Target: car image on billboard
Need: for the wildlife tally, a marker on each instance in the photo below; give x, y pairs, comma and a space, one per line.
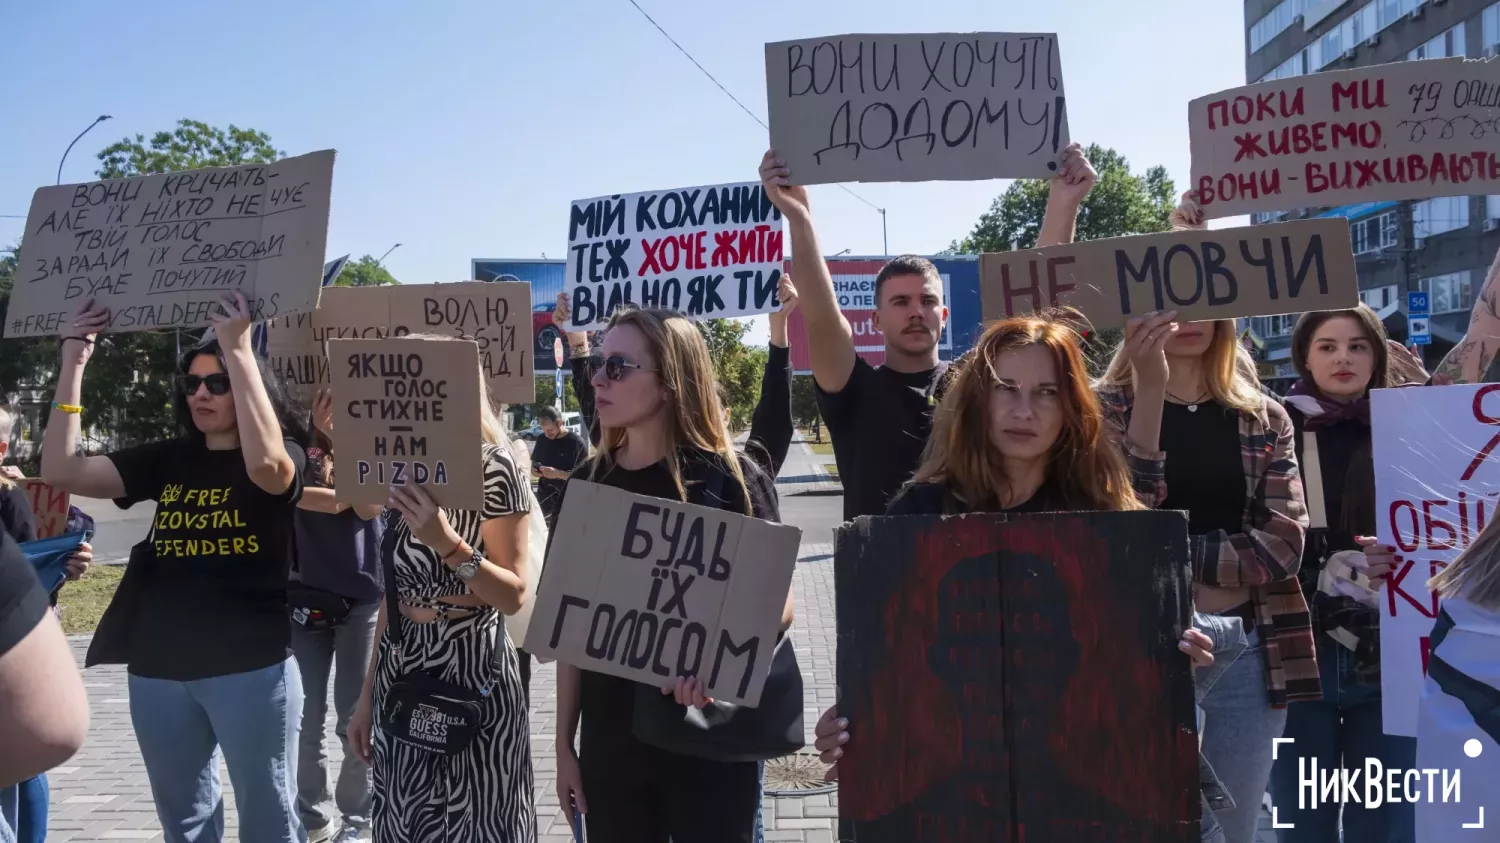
546, 280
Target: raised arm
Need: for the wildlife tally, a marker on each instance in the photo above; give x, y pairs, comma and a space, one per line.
771, 424
1470, 359
1074, 179
830, 340
261, 441
62, 466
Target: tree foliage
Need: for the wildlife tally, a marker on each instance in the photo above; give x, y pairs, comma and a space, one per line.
365, 272
1121, 203
737, 367
804, 401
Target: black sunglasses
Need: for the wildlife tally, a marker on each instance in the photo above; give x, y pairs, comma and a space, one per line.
217, 383
615, 367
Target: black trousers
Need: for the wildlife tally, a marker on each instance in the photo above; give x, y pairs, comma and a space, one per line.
639, 794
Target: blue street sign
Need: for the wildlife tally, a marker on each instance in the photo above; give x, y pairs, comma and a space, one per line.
1418, 303
1418, 331
559, 375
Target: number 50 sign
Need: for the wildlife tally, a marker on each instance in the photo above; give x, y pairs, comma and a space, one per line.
1437, 482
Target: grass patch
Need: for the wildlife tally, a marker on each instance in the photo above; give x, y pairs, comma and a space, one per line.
83, 602
824, 448
832, 469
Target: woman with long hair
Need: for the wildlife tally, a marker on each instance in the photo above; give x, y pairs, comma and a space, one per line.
1340, 355
1458, 729
209, 662
1019, 430
334, 598
1231, 465
453, 574
663, 435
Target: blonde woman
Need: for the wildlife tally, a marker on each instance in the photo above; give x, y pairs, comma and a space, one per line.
663, 436
1457, 724
1230, 463
453, 573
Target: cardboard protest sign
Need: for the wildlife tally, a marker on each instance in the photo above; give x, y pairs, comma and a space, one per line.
1406, 130
651, 589
407, 411
1016, 677
707, 252
495, 315
1257, 270
50, 506
161, 251
921, 107
1436, 484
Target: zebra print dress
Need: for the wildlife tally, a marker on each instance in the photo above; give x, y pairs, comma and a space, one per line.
484, 793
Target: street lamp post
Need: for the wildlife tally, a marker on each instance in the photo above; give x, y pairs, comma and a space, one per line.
97, 120
885, 243
387, 252
844, 252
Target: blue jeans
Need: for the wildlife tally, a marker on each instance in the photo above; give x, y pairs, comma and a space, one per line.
1342, 729
1238, 729
23, 811
760, 813
256, 718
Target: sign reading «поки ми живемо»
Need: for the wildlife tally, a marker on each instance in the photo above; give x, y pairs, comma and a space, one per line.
706, 252
162, 251
1407, 130
917, 107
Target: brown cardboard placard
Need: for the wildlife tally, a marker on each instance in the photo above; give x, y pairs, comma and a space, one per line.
711, 583
917, 107
161, 251
50, 506
496, 314
1257, 270
407, 411
1407, 130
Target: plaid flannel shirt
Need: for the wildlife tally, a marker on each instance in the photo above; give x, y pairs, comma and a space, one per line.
1265, 557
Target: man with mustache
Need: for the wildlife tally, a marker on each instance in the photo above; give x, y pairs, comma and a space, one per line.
879, 417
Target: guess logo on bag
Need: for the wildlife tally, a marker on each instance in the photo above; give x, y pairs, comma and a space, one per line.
428, 723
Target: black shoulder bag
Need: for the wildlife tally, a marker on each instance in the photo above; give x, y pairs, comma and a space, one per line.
724, 731
421, 709
313, 608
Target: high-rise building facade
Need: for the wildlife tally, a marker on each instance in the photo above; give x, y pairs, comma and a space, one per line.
1443, 246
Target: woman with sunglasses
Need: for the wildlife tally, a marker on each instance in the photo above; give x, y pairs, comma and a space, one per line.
663, 435
209, 664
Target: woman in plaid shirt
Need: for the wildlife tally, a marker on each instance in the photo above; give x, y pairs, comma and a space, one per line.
1195, 402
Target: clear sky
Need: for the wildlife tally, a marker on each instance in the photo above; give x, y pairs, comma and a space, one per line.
465, 127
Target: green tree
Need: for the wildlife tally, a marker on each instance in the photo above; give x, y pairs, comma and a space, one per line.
737, 367
365, 272
804, 401
546, 395
1121, 203
24, 363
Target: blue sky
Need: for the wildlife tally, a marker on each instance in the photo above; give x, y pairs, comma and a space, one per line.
465, 128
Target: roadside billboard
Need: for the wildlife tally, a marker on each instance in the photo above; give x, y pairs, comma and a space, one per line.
854, 284
546, 280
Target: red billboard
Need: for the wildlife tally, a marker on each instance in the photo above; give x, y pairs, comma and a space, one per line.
854, 285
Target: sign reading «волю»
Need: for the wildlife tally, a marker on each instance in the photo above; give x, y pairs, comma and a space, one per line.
162, 251
917, 107
1437, 483
706, 252
1258, 270
1406, 130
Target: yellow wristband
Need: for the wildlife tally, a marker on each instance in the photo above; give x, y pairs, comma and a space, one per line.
67, 408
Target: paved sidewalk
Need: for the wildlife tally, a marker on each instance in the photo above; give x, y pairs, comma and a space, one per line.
803, 472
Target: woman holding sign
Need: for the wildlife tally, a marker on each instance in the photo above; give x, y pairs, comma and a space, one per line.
1339, 356
200, 618
442, 718
1189, 390
663, 435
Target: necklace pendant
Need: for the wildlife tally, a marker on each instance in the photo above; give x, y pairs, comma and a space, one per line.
1192, 408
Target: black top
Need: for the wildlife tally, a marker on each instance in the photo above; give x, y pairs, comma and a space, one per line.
933, 499
16, 516
337, 552
216, 600
879, 423
609, 701
1205, 471
23, 603
564, 453
583, 388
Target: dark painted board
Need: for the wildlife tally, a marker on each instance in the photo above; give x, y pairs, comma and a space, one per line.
1016, 678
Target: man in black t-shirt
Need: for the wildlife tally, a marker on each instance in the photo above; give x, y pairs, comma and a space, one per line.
879, 417
556, 454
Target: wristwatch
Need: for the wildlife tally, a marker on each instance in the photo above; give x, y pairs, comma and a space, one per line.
469, 568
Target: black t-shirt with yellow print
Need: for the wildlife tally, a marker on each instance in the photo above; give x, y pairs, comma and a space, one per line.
215, 602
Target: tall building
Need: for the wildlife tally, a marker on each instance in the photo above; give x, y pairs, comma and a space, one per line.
1443, 246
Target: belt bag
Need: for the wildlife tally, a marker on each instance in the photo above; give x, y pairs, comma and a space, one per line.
315, 608
419, 709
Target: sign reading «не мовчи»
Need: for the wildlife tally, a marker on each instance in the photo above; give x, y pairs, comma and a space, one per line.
161, 251
706, 252
917, 107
